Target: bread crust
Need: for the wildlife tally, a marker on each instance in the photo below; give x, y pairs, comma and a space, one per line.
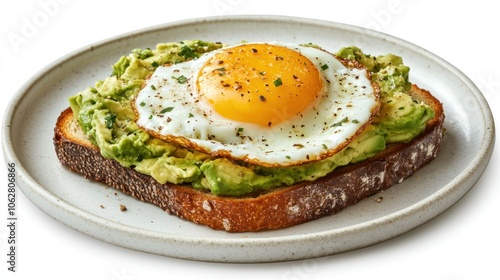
279, 208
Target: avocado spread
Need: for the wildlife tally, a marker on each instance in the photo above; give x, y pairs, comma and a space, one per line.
105, 114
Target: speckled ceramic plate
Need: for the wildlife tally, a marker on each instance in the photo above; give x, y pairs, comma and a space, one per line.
94, 209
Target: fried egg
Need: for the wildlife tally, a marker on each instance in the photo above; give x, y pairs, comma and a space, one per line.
272, 104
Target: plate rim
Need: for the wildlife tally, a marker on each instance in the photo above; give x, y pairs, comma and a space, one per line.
31, 187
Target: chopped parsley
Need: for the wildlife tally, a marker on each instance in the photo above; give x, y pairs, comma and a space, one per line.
324, 67
187, 52
277, 82
239, 130
166, 110
222, 71
181, 79
110, 120
339, 123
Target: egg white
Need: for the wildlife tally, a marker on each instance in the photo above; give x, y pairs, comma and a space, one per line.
170, 108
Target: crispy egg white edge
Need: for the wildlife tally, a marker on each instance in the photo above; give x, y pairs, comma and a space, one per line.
296, 140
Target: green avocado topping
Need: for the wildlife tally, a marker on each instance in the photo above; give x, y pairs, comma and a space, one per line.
105, 114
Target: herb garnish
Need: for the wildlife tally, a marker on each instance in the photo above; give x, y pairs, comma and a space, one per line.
110, 120
277, 82
222, 71
181, 79
339, 123
166, 110
187, 52
239, 130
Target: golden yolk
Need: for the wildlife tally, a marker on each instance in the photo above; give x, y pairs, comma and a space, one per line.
259, 83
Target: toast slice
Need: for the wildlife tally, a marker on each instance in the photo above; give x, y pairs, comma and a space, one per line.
279, 208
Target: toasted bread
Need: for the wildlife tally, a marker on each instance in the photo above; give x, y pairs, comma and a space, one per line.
278, 208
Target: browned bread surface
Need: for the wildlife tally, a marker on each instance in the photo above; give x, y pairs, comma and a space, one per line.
279, 208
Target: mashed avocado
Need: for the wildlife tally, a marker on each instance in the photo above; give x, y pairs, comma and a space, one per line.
105, 113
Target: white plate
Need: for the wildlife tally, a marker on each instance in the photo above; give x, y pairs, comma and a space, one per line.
76, 202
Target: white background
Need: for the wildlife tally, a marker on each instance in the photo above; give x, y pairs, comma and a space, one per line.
462, 243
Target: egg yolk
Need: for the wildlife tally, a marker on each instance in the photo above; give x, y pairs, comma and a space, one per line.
259, 83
